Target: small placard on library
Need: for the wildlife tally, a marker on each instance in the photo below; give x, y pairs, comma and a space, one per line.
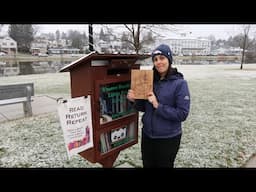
141, 83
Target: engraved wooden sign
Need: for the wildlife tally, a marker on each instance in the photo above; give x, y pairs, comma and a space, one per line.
141, 82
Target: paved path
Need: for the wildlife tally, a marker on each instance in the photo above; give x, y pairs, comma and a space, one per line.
40, 104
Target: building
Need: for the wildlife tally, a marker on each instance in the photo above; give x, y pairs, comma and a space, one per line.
8, 45
108, 47
59, 43
231, 51
39, 45
183, 45
63, 51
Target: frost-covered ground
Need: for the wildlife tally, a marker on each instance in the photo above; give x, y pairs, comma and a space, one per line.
219, 132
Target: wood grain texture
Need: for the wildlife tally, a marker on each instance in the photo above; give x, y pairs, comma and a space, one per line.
141, 82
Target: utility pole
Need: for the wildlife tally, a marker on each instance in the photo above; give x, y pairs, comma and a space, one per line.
243, 52
90, 38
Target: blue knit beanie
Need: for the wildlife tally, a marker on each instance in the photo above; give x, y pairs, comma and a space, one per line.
163, 49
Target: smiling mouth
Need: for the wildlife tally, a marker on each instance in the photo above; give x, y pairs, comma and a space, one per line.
161, 67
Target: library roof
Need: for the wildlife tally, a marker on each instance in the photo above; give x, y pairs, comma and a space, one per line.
98, 56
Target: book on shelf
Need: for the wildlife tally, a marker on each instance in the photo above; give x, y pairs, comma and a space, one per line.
121, 142
131, 130
103, 147
141, 83
117, 137
113, 101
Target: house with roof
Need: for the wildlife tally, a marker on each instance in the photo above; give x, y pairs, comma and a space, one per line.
39, 45
8, 45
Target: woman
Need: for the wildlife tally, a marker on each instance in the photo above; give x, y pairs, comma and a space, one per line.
164, 111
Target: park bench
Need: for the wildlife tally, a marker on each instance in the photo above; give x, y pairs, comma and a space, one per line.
18, 93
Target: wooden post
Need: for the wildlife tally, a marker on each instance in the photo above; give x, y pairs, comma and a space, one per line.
27, 108
109, 161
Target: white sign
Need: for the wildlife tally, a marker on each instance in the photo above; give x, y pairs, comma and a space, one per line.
76, 122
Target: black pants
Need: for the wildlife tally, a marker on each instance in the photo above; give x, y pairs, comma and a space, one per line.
159, 152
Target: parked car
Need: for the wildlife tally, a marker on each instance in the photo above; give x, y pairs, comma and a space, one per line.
42, 55
2, 53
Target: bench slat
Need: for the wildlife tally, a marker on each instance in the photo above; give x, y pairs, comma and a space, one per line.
16, 91
13, 101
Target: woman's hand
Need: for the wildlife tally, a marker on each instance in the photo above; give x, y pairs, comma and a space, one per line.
131, 95
152, 99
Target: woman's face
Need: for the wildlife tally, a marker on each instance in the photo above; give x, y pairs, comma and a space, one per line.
161, 64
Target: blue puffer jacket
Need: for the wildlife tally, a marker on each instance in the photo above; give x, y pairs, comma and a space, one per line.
174, 103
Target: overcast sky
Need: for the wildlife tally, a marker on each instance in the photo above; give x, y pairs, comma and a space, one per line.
220, 31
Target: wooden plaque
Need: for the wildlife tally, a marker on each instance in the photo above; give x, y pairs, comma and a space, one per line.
141, 82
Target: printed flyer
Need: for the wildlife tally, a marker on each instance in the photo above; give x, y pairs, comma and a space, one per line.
76, 122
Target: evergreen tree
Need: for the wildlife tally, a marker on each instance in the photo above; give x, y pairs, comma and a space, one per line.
23, 35
102, 35
57, 33
76, 39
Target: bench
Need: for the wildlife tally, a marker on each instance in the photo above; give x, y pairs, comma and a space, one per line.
18, 93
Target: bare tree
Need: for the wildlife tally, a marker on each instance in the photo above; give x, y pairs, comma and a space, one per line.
136, 36
136, 31
246, 29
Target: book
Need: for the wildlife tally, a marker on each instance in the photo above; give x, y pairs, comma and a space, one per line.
141, 83
113, 101
103, 147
